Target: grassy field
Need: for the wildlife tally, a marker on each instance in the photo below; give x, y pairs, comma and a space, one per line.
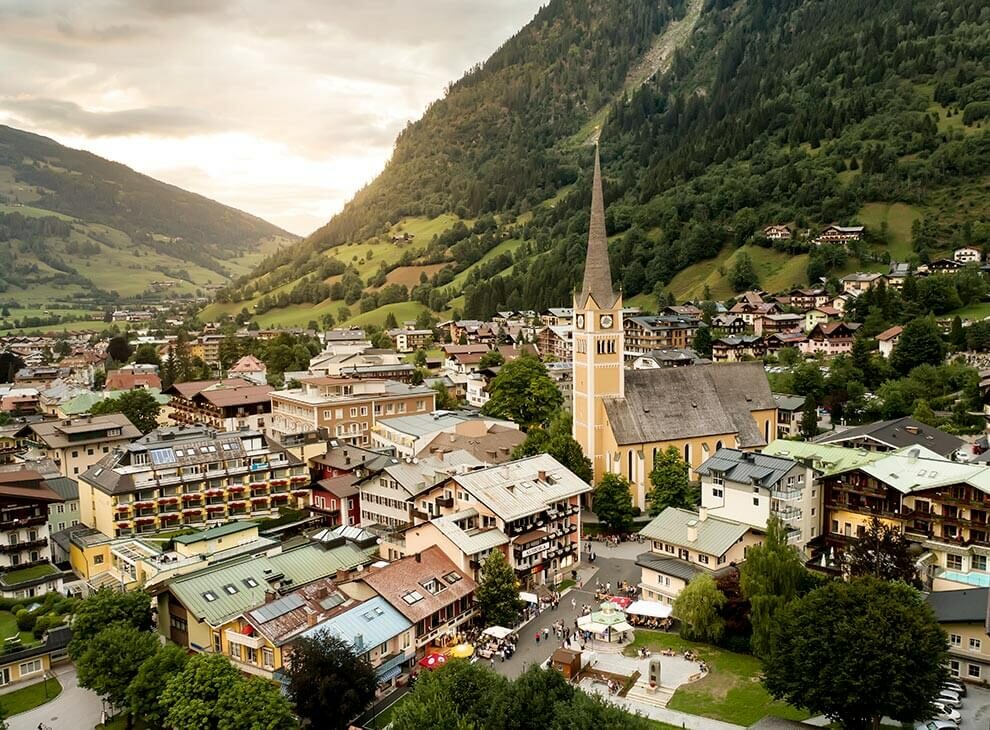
898, 217
777, 270
89, 325
974, 311
507, 246
403, 311
35, 571
731, 692
28, 698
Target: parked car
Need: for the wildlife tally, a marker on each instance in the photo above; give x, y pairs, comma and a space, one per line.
949, 698
946, 713
956, 686
935, 725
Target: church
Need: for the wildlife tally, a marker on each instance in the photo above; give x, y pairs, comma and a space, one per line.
624, 418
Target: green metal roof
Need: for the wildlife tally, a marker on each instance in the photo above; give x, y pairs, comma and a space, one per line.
220, 593
83, 402
826, 458
715, 535
230, 528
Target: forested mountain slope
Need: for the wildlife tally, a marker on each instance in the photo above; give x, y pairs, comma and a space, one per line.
792, 111
72, 223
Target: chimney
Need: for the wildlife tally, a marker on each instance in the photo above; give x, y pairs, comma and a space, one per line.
419, 557
322, 592
269, 596
913, 455
692, 531
311, 619
702, 514
342, 575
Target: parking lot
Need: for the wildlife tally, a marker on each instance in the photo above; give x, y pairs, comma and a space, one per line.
975, 709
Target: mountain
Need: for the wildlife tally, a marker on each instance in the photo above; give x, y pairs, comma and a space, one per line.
75, 227
715, 118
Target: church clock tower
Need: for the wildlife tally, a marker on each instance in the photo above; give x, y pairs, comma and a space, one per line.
598, 337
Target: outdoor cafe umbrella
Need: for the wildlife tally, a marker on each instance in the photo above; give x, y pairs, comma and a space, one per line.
433, 661
462, 651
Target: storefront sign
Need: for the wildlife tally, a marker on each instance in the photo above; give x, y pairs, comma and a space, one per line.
536, 550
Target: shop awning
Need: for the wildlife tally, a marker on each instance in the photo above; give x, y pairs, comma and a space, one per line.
653, 609
499, 632
389, 674
528, 597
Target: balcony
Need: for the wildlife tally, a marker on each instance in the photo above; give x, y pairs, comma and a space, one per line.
787, 495
23, 522
447, 502
787, 513
24, 545
235, 637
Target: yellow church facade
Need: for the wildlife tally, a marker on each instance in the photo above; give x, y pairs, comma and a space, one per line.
623, 418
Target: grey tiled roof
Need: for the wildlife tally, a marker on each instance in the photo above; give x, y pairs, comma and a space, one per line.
747, 468
897, 433
669, 404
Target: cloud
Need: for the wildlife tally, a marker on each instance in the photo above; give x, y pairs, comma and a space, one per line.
313, 91
66, 116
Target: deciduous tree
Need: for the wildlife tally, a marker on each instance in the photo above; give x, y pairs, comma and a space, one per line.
698, 607
671, 484
523, 392
105, 608
146, 688
112, 658
119, 348
254, 703
882, 552
138, 405
857, 652
498, 592
919, 344
329, 684
558, 442
192, 695
770, 578
612, 502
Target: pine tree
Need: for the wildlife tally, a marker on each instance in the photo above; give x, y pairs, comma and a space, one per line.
809, 418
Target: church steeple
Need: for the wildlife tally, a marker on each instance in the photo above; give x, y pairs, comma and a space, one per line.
597, 272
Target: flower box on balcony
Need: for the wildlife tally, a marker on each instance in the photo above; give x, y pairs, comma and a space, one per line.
235, 490
196, 511
215, 508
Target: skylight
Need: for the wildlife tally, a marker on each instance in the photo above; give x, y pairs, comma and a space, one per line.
452, 577
250, 582
412, 597
210, 596
231, 588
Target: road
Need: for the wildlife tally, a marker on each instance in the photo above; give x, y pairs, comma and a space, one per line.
75, 709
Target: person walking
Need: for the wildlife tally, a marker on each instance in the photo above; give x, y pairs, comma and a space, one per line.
546, 633
537, 638
573, 603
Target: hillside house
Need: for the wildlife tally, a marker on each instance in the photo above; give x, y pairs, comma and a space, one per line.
834, 338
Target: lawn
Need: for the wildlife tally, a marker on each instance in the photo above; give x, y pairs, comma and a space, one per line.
22, 700
87, 325
24, 574
8, 628
980, 310
731, 692
403, 311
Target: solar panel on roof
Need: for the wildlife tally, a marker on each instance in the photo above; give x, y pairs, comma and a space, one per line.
277, 608
162, 456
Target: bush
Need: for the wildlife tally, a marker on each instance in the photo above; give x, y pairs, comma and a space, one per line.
25, 620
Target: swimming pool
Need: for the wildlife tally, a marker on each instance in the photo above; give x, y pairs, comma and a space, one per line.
973, 579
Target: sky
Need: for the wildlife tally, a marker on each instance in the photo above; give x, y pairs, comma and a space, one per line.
283, 108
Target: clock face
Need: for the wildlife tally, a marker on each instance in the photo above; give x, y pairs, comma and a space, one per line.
606, 320
580, 321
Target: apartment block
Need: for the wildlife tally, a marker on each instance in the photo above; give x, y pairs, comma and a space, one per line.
190, 476
347, 408
751, 488
75, 444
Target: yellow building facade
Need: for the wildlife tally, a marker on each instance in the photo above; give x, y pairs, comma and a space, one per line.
623, 418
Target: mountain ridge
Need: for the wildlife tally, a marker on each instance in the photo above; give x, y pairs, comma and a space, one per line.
72, 224
767, 112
